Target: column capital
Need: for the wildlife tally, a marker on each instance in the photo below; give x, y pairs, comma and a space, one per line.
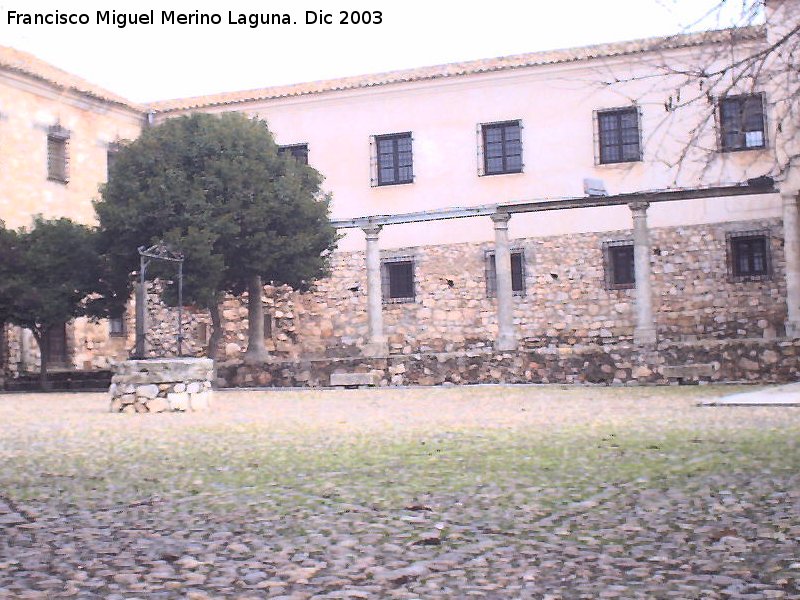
639, 206
372, 231
500, 219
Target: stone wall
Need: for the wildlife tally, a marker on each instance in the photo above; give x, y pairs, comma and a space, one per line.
709, 361
566, 301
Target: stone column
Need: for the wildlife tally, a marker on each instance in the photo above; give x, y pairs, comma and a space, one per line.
376, 346
24, 348
140, 289
645, 330
791, 249
506, 336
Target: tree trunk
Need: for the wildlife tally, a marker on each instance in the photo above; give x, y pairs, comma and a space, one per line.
216, 330
256, 350
43, 341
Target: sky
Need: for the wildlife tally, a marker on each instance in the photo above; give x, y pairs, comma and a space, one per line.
170, 60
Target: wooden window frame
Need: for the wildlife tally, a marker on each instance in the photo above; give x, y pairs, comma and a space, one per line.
602, 143
401, 160
745, 127
504, 143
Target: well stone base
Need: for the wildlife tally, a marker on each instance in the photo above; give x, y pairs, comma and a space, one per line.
162, 385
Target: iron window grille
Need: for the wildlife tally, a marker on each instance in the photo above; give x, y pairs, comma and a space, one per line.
500, 148
392, 159
749, 256
267, 325
619, 265
57, 154
742, 123
397, 280
298, 151
116, 327
618, 135
517, 273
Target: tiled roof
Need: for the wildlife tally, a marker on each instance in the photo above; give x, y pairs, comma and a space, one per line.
466, 68
21, 62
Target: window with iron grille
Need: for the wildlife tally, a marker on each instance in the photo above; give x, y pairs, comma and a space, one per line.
397, 280
394, 158
502, 147
742, 124
749, 255
619, 265
267, 325
517, 274
618, 135
298, 151
57, 155
116, 326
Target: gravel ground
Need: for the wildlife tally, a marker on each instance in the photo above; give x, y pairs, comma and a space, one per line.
475, 492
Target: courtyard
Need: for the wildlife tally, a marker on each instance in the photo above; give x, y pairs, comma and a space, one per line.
460, 492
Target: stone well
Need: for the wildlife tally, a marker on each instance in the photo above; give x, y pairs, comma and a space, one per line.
162, 385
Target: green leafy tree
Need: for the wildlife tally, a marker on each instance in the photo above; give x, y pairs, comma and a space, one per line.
217, 189
48, 276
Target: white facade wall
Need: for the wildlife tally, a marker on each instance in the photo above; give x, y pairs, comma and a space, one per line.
556, 105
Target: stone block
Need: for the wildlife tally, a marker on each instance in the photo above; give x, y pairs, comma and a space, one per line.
200, 401
193, 387
689, 371
178, 401
157, 405
748, 365
354, 379
147, 391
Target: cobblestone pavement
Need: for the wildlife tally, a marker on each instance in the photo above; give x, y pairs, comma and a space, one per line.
478, 492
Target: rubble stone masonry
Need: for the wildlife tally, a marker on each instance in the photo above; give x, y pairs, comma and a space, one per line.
566, 301
566, 304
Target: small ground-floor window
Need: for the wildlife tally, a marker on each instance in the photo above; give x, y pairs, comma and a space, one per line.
748, 255
397, 279
517, 274
619, 267
116, 326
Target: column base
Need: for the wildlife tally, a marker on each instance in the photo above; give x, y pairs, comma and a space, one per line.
505, 343
375, 349
793, 329
645, 336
